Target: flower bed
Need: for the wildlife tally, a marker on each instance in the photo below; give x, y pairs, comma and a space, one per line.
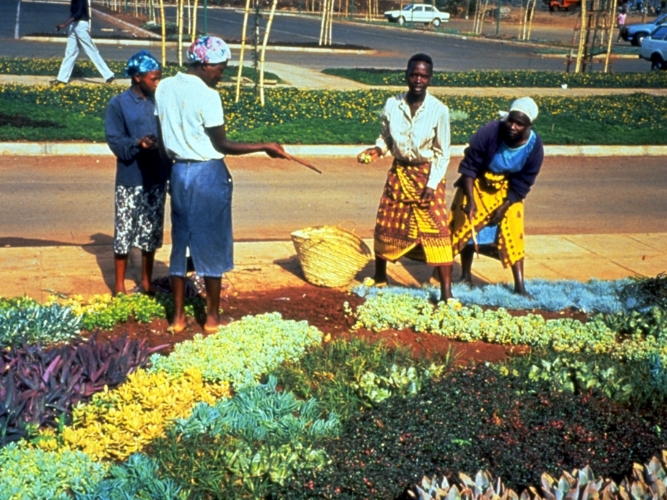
338, 416
498, 78
294, 116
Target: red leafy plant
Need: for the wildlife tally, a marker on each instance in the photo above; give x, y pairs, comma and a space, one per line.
39, 387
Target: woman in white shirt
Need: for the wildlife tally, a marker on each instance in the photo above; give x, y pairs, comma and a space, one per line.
193, 134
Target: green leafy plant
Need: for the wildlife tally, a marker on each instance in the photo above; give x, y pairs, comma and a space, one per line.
242, 351
337, 374
137, 478
503, 78
242, 446
34, 323
32, 474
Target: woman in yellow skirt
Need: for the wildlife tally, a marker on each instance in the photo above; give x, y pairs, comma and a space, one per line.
498, 170
412, 217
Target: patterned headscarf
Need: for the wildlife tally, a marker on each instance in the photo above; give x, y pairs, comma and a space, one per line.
209, 50
141, 62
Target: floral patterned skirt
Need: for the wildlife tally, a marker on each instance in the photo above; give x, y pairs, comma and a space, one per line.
139, 218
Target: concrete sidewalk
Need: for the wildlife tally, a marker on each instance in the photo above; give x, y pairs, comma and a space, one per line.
41, 271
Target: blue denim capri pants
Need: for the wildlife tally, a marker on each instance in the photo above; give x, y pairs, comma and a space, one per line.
201, 218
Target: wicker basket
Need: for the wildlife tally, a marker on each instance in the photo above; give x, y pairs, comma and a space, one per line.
330, 256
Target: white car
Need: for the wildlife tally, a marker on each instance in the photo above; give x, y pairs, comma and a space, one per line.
654, 48
417, 13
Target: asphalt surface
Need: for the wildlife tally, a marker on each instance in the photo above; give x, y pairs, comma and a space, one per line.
393, 45
52, 201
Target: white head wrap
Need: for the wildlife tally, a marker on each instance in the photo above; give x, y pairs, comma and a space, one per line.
525, 105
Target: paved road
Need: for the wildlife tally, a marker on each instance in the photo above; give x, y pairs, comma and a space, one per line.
393, 45
69, 200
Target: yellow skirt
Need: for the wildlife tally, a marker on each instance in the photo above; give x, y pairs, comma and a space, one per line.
405, 228
489, 192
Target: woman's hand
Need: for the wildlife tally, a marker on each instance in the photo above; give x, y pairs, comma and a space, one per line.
499, 213
368, 155
275, 150
427, 196
148, 142
470, 209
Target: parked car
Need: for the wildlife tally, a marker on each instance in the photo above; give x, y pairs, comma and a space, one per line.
654, 48
635, 33
417, 13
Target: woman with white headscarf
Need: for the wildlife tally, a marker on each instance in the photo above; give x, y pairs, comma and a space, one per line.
194, 136
499, 168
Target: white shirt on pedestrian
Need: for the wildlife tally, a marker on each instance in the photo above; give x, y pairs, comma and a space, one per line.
422, 138
186, 107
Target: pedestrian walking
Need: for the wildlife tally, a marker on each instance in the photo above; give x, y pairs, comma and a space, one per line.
194, 135
78, 36
620, 20
498, 169
412, 218
141, 172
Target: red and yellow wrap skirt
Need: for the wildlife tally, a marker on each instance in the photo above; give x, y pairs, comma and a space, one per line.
489, 192
405, 227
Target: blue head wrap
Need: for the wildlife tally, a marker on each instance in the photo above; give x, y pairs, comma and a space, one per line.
141, 62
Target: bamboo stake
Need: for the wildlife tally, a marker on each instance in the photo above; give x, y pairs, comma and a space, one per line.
194, 21
244, 29
582, 30
530, 19
482, 16
164, 34
322, 22
331, 13
267, 31
474, 17
180, 4
611, 36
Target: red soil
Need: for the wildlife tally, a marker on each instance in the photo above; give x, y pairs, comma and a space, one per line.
322, 308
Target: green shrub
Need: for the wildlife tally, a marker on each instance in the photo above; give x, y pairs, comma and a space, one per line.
31, 474
331, 117
243, 446
25, 320
242, 351
502, 78
137, 478
348, 376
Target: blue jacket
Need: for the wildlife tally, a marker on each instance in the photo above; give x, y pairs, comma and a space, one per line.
483, 146
128, 118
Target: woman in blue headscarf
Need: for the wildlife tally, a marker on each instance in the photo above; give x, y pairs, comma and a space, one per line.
141, 173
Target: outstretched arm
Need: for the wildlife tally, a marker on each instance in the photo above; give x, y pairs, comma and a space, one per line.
219, 139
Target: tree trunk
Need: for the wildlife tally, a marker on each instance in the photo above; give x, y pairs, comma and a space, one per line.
194, 21
164, 34
267, 31
243, 36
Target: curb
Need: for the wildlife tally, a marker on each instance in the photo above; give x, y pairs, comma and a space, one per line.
95, 149
185, 45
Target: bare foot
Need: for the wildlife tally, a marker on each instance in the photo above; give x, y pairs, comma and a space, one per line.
119, 289
523, 293
178, 325
210, 327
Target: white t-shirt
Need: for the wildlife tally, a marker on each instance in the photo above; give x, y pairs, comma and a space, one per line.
187, 106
